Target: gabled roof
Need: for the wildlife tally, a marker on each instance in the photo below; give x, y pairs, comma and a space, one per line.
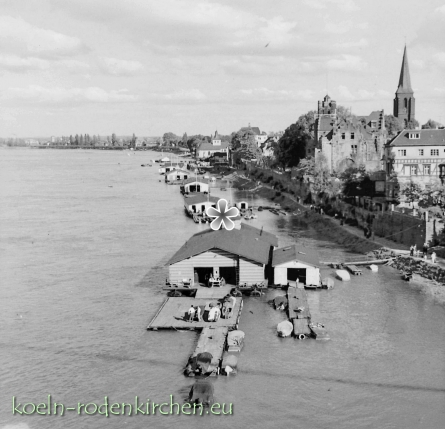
178, 170
239, 242
255, 130
291, 253
427, 138
194, 179
405, 78
197, 199
210, 146
260, 233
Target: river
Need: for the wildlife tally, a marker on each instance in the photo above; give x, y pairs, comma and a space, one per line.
84, 236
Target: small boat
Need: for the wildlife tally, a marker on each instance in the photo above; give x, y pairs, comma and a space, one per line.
327, 283
235, 341
285, 328
260, 209
229, 364
282, 212
343, 275
274, 211
374, 268
319, 332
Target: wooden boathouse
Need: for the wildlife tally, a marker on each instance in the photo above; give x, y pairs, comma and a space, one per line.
195, 185
176, 175
199, 204
241, 256
293, 264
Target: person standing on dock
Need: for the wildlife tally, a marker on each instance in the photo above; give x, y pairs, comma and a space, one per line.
198, 313
425, 249
411, 251
191, 313
433, 257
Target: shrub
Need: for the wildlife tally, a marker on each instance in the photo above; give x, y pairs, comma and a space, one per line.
278, 194
269, 179
351, 222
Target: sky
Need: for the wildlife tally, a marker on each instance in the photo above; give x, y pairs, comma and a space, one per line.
195, 66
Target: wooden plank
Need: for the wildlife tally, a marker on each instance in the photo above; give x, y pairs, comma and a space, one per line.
172, 312
297, 298
301, 327
212, 340
216, 292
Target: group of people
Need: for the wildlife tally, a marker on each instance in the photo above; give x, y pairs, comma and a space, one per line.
215, 311
212, 280
414, 251
317, 209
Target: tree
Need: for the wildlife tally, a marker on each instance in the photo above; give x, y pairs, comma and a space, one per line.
413, 124
356, 182
431, 125
291, 147
393, 125
184, 139
81, 142
244, 141
113, 139
71, 140
133, 140
170, 139
412, 192
307, 122
345, 113
76, 140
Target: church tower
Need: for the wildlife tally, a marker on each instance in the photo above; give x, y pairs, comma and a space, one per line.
404, 102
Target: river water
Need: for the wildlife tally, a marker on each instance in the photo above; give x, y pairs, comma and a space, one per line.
83, 242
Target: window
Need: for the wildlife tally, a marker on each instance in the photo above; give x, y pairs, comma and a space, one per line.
413, 171
426, 169
352, 136
434, 152
343, 136
420, 152
414, 135
401, 152
353, 148
373, 124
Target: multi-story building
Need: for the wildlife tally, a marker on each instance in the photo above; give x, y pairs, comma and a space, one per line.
417, 156
205, 150
357, 140
260, 137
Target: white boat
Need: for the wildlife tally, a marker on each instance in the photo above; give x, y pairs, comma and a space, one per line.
343, 275
285, 328
373, 268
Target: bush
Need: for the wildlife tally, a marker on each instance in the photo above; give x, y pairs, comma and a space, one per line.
278, 194
351, 222
269, 179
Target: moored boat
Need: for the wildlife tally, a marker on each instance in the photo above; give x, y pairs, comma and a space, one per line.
343, 275
319, 332
285, 328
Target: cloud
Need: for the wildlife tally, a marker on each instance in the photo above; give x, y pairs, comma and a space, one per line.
186, 95
361, 95
346, 5
60, 95
352, 44
19, 64
431, 33
119, 67
342, 27
347, 63
439, 59
20, 37
265, 94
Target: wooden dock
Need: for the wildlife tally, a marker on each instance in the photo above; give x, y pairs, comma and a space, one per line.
172, 314
212, 340
301, 327
297, 298
354, 270
216, 292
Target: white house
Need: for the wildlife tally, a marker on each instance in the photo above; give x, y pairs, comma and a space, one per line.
205, 150
240, 256
177, 174
193, 185
199, 204
290, 264
417, 155
170, 166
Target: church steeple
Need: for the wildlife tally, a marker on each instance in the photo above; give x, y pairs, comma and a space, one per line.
405, 79
404, 102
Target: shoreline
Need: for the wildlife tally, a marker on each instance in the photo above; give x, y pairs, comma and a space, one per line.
342, 235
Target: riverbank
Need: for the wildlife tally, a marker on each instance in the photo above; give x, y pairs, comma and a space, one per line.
433, 282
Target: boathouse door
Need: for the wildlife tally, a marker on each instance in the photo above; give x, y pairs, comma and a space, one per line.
229, 274
204, 273
297, 273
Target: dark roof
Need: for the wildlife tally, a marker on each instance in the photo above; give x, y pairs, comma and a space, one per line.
260, 233
291, 253
404, 79
210, 146
193, 179
240, 242
255, 130
196, 199
427, 138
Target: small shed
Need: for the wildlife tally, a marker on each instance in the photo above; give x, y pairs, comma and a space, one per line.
242, 205
199, 204
193, 185
177, 175
291, 264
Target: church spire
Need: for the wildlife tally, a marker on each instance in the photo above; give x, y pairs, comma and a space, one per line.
405, 79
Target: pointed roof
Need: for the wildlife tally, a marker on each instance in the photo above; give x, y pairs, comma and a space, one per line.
405, 79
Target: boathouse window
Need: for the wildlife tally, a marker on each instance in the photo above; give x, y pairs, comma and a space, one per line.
414, 135
427, 169
401, 152
420, 152
434, 152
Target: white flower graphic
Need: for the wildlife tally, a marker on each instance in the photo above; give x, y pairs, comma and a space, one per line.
222, 215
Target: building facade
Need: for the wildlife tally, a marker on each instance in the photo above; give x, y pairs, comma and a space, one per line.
206, 150
417, 156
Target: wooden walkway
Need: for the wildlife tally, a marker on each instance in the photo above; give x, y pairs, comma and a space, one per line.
216, 292
301, 327
172, 314
212, 340
297, 298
